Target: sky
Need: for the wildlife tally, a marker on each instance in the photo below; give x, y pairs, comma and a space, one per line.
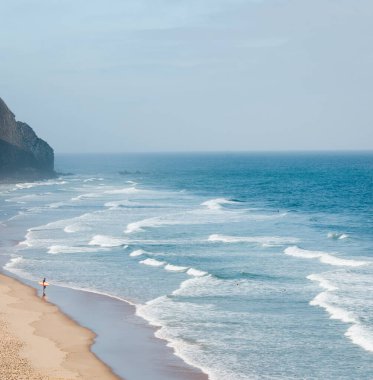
190, 75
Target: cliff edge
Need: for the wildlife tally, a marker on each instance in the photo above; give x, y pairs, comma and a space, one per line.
23, 155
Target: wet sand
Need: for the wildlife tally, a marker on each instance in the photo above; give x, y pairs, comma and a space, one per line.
37, 341
40, 342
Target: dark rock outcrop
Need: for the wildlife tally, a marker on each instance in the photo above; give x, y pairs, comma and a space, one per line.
23, 155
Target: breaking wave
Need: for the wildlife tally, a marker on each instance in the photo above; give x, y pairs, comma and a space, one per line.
323, 257
29, 185
13, 266
147, 223
55, 249
175, 268
337, 236
85, 196
107, 241
217, 203
327, 300
153, 262
126, 190
196, 272
76, 227
138, 252
264, 240
13, 262
361, 336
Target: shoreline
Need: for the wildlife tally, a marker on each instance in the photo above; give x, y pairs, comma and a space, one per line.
38, 341
121, 343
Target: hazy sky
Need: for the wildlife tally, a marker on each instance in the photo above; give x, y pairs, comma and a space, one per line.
184, 75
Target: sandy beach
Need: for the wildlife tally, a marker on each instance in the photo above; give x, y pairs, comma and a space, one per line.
39, 342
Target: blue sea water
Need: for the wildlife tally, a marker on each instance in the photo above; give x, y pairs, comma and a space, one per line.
253, 266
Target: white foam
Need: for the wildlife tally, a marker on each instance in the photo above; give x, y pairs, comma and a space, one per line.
175, 268
25, 185
159, 221
157, 312
84, 196
264, 240
336, 235
118, 204
217, 203
323, 257
29, 185
15, 261
133, 227
358, 334
343, 236
56, 204
93, 179
107, 241
322, 282
196, 272
138, 252
13, 266
141, 224
195, 217
76, 227
55, 249
361, 336
325, 301
30, 240
153, 262
25, 198
126, 190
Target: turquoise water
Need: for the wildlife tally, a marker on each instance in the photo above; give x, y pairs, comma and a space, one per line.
254, 266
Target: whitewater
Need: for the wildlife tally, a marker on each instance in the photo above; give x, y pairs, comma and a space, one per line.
250, 266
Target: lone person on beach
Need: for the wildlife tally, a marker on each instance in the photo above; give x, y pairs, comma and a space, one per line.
44, 285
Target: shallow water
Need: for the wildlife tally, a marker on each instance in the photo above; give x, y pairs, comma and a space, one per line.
254, 266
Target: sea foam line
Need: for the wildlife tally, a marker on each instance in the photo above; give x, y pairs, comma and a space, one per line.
357, 333
179, 346
217, 203
75, 227
153, 262
323, 257
265, 240
85, 196
56, 249
360, 336
13, 262
157, 221
337, 235
29, 185
173, 268
126, 190
324, 300
107, 241
12, 266
137, 252
167, 266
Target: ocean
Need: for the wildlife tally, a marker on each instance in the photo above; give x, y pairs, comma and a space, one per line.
252, 266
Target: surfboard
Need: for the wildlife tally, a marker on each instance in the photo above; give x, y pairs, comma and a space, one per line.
45, 283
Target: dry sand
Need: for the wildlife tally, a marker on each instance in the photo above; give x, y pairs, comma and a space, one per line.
37, 341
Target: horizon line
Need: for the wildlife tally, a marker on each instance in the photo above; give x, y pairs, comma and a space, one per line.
221, 151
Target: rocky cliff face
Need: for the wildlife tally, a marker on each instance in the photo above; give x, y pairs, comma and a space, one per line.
22, 153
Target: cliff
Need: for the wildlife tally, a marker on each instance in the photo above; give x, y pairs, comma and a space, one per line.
23, 155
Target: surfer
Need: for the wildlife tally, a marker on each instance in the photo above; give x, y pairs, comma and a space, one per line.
44, 285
